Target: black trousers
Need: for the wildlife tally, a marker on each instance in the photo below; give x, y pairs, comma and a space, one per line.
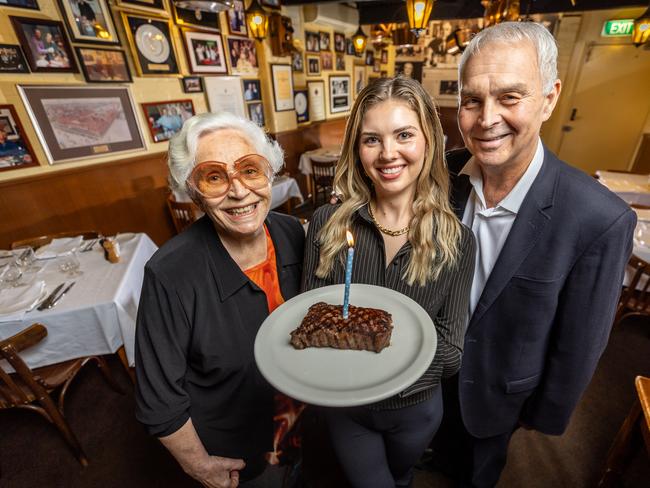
378, 448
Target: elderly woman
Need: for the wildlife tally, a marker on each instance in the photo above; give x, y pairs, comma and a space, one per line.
205, 295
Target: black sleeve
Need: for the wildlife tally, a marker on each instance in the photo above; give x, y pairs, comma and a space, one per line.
312, 252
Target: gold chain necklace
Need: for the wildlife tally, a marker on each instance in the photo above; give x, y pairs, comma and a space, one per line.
384, 230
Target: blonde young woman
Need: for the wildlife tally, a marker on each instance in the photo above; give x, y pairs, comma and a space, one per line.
395, 192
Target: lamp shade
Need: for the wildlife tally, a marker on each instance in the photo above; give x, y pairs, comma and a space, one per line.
418, 12
359, 40
641, 32
257, 20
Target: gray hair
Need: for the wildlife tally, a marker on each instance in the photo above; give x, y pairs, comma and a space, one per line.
183, 146
515, 32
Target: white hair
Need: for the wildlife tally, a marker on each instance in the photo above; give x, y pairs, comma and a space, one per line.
514, 33
181, 157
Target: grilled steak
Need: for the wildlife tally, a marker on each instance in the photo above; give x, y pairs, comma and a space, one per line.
324, 326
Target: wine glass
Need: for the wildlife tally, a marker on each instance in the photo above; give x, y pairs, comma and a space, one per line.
70, 264
25, 258
12, 274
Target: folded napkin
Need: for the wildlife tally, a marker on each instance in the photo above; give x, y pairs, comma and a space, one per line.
6, 254
16, 302
58, 247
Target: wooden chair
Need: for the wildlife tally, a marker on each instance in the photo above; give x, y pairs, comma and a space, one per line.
41, 241
183, 213
31, 388
635, 298
322, 180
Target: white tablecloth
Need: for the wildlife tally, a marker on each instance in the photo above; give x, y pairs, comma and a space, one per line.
634, 189
284, 188
97, 316
327, 154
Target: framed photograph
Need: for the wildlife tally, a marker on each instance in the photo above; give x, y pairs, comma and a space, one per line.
339, 42
282, 87
79, 122
31, 4
271, 3
189, 17
360, 80
103, 65
297, 63
15, 150
442, 84
326, 61
370, 58
205, 52
256, 113
313, 65
166, 118
237, 19
192, 84
151, 42
225, 94
384, 56
89, 21
340, 62
339, 93
158, 7
376, 68
301, 102
324, 41
45, 45
243, 56
252, 90
12, 59
410, 69
316, 100
312, 41
349, 48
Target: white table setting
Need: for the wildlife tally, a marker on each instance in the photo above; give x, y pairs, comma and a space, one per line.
283, 189
633, 188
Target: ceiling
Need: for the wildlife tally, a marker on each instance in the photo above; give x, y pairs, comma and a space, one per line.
384, 11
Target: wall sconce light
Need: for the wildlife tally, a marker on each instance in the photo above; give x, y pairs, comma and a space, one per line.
641, 32
257, 20
418, 12
359, 40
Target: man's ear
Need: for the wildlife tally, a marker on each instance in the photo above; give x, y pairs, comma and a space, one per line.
550, 100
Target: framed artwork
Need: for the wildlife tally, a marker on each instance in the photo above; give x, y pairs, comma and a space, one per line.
383, 74
152, 45
339, 42
297, 63
189, 17
166, 118
237, 19
256, 113
312, 42
243, 56
301, 102
89, 21
410, 69
79, 122
192, 84
316, 100
32, 4
326, 61
15, 150
12, 59
376, 68
324, 41
158, 7
349, 48
252, 90
313, 65
225, 94
370, 58
360, 81
205, 52
271, 3
103, 65
282, 87
442, 85
339, 93
45, 45
340, 62
384, 56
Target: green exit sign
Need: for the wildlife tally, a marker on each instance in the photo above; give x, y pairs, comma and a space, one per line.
618, 28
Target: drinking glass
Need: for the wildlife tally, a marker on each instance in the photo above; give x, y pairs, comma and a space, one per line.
25, 258
12, 274
70, 264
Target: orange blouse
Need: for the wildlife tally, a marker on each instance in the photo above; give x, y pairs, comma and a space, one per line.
265, 275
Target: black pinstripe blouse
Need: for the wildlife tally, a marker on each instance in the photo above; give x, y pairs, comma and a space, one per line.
445, 300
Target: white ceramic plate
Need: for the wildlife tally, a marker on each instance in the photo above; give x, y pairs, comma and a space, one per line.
340, 378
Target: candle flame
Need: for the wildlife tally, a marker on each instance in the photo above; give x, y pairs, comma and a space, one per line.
349, 237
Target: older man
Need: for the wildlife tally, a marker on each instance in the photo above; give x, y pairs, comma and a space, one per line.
552, 247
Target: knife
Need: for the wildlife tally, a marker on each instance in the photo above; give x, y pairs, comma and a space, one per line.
50, 297
65, 290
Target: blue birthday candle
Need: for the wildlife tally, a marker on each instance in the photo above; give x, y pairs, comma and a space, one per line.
348, 274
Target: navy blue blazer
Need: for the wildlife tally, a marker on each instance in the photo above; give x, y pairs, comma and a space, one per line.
544, 317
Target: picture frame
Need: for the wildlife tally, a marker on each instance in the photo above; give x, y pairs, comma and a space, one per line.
271, 3
256, 113
192, 84
326, 61
237, 19
165, 119
384, 56
152, 45
16, 151
349, 47
339, 42
76, 123
45, 45
89, 21
301, 102
12, 59
410, 69
252, 90
192, 18
103, 65
282, 87
316, 100
376, 68
205, 53
442, 84
312, 42
297, 62
360, 78
339, 93
158, 7
313, 65
242, 55
370, 58
224, 94
26, 4
324, 39
339, 62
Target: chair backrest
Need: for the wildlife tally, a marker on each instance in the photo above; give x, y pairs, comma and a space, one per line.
41, 241
323, 171
183, 213
635, 298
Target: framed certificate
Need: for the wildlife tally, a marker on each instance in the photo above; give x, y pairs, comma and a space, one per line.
282, 87
316, 100
225, 94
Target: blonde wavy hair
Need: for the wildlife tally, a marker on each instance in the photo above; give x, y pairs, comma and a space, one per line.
435, 230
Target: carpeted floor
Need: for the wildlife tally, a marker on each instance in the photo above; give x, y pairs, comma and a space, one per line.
32, 454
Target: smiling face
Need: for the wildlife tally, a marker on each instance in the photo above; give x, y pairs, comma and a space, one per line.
392, 147
241, 212
502, 105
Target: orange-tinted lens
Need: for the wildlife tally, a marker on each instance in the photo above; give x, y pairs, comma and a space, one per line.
253, 171
211, 179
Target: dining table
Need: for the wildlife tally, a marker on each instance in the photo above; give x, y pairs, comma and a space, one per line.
98, 313
283, 189
325, 154
632, 188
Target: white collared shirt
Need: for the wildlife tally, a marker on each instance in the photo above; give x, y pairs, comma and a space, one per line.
491, 226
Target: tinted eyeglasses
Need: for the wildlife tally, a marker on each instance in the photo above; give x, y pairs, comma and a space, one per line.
211, 179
